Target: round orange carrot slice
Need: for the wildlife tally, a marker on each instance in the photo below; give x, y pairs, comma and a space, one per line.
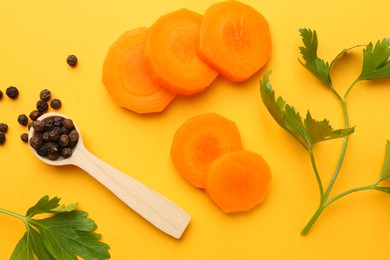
127, 78
235, 40
171, 54
238, 181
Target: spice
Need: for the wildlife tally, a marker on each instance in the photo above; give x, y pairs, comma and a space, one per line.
23, 119
55, 103
2, 138
3, 128
38, 126
36, 142
64, 140
74, 136
54, 137
72, 60
35, 114
24, 137
12, 92
1, 94
66, 152
42, 105
45, 95
68, 123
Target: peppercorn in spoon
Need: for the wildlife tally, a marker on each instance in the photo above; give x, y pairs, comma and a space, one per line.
48, 136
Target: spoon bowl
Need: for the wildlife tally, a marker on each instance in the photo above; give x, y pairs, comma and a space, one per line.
158, 210
61, 160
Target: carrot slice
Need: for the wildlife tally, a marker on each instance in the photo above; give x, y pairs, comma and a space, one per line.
171, 54
238, 181
199, 141
235, 40
127, 79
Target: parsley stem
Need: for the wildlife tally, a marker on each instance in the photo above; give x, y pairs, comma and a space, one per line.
318, 177
325, 204
350, 88
16, 215
312, 220
369, 187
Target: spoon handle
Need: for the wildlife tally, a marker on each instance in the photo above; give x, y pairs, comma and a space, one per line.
158, 210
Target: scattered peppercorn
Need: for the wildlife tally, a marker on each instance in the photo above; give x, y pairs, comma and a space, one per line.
24, 137
23, 119
1, 94
3, 128
45, 95
54, 137
12, 92
42, 105
2, 138
72, 60
35, 114
55, 103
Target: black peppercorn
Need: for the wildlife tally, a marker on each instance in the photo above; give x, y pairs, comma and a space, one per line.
49, 122
38, 126
35, 114
66, 152
54, 134
74, 136
42, 151
23, 119
45, 95
64, 140
58, 121
36, 142
42, 105
1, 94
12, 92
3, 128
55, 103
72, 60
2, 138
24, 137
68, 123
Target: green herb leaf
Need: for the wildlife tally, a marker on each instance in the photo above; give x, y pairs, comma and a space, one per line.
318, 67
386, 165
376, 63
322, 130
44, 205
29, 246
66, 234
308, 131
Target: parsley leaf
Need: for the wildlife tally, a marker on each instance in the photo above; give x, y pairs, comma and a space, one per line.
44, 205
376, 63
318, 67
308, 131
65, 234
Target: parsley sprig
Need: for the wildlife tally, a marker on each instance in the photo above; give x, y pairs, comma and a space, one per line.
65, 234
308, 131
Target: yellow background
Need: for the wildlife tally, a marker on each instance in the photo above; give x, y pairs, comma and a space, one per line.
35, 39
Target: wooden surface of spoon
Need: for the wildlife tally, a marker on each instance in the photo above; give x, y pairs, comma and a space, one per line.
158, 210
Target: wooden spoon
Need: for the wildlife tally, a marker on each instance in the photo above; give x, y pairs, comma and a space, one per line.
158, 210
